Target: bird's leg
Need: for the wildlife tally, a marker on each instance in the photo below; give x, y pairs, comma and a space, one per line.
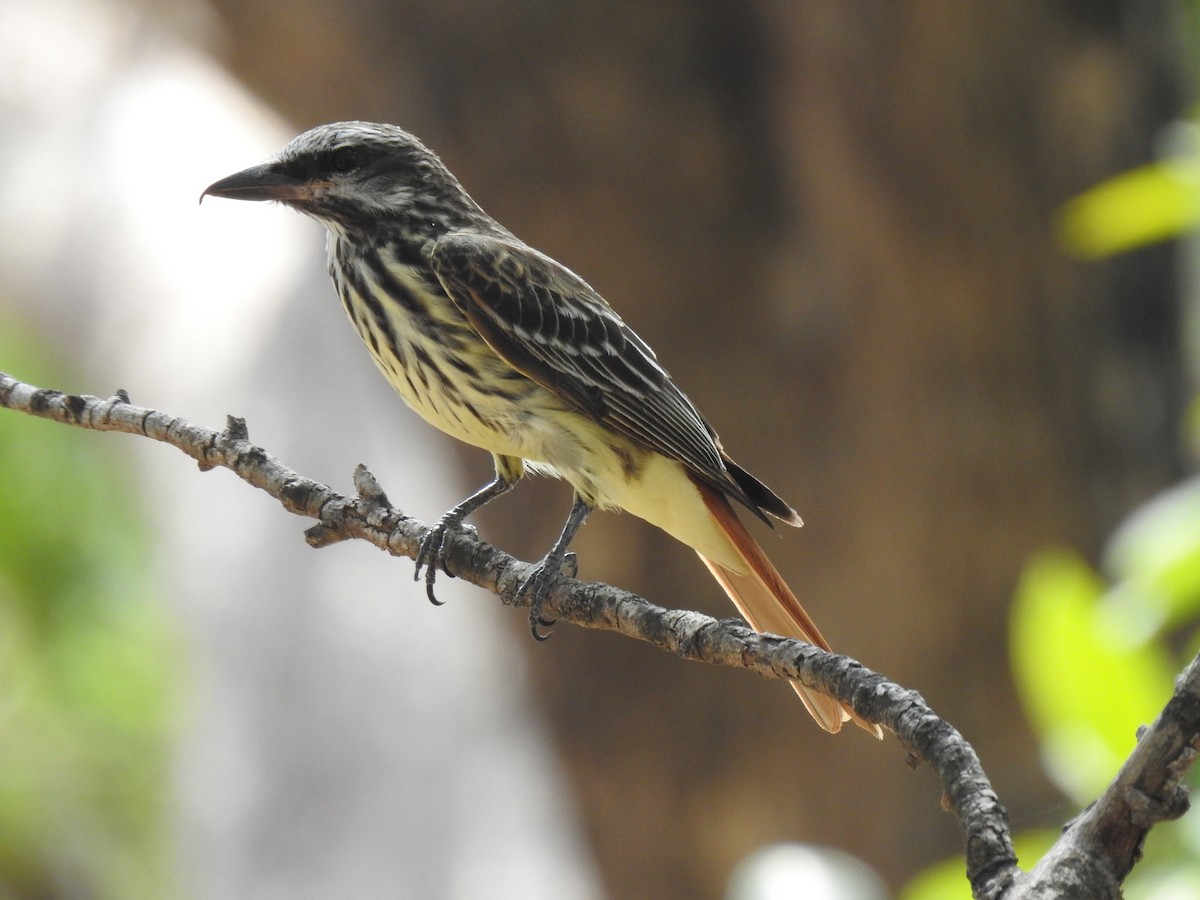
431, 555
537, 582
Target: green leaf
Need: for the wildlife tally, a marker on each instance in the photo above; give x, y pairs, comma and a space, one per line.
1084, 679
89, 662
947, 880
1138, 207
1155, 557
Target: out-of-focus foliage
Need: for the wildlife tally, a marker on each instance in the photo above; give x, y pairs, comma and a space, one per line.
945, 880
1086, 676
1095, 658
1150, 203
87, 656
1155, 557
1133, 209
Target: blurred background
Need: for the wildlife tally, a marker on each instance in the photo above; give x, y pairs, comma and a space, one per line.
909, 259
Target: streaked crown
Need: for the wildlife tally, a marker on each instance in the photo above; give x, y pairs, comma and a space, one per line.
360, 177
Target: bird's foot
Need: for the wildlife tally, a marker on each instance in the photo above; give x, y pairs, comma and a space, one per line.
431, 555
537, 586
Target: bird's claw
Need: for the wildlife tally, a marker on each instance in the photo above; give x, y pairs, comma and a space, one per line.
537, 586
431, 555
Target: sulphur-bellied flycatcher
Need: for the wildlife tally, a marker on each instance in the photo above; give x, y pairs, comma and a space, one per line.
502, 347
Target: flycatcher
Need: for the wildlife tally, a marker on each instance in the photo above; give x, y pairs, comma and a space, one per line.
500, 346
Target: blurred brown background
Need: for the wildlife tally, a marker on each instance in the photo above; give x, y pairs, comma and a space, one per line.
833, 221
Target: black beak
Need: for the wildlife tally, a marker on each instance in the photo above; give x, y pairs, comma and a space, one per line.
265, 182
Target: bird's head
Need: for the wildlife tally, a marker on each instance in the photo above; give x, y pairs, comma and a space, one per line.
354, 175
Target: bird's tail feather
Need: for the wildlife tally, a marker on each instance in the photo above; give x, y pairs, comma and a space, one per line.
768, 604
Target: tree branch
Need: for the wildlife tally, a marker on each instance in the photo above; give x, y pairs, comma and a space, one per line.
1141, 796
1101, 846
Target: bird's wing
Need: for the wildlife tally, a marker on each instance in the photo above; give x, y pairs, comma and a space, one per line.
549, 324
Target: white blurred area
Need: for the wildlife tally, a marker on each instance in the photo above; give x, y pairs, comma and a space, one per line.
791, 871
344, 738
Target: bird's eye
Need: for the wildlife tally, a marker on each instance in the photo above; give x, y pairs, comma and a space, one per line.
344, 160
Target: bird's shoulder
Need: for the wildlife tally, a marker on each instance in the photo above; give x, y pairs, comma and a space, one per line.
535, 297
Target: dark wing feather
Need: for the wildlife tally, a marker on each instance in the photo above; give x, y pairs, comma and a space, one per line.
546, 322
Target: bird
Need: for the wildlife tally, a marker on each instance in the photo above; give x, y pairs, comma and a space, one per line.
503, 348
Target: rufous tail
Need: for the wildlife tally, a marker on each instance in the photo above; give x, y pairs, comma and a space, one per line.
768, 604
